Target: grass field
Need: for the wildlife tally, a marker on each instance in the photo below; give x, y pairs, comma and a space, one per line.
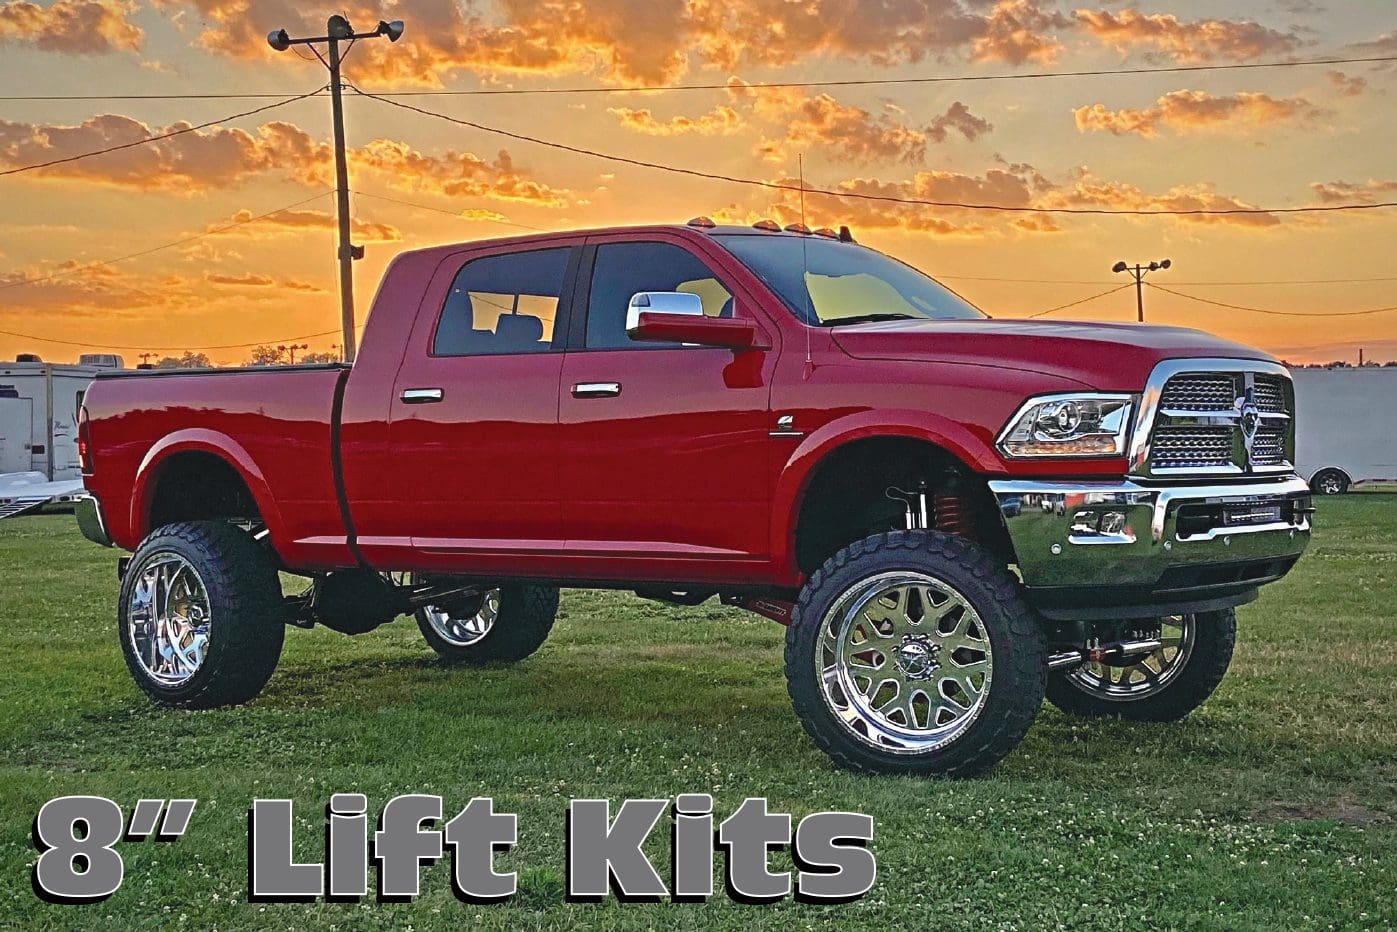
1272, 807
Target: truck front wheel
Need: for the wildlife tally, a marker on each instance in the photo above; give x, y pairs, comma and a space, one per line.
913, 652
501, 625
200, 616
1162, 686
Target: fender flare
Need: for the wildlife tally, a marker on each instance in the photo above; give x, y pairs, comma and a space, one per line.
202, 440
796, 473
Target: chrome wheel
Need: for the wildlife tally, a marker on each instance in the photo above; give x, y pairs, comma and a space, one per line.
169, 619
1145, 675
904, 662
465, 623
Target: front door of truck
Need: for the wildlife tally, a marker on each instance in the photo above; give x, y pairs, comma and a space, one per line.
474, 412
664, 446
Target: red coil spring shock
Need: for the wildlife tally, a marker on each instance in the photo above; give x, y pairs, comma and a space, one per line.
953, 516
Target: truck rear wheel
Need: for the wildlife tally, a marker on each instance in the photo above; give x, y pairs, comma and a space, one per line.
200, 616
913, 652
1163, 686
501, 625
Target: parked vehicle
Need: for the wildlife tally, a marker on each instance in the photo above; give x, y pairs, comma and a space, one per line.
951, 514
1348, 427
39, 405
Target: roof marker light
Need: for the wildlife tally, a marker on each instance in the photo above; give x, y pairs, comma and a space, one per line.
703, 222
797, 228
771, 226
827, 232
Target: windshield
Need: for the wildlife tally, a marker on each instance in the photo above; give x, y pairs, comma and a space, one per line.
843, 282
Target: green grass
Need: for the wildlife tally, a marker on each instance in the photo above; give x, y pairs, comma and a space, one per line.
1270, 808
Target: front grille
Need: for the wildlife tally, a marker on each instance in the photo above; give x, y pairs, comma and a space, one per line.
1191, 447
1204, 419
1199, 392
1270, 394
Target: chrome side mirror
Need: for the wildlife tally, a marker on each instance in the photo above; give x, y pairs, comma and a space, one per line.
678, 303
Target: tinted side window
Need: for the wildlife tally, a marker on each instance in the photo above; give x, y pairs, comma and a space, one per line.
503, 304
623, 269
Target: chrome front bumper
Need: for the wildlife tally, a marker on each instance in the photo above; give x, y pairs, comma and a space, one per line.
91, 521
1120, 548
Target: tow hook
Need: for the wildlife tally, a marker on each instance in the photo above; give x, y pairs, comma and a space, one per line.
1103, 653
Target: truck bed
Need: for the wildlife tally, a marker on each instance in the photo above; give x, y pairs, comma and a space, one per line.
275, 425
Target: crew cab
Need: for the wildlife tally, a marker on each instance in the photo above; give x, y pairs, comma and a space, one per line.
953, 515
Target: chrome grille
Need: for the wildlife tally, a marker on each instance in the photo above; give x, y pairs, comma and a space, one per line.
1215, 417
1191, 447
1270, 394
1199, 392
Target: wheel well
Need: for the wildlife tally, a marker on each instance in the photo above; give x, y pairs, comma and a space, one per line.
197, 486
846, 497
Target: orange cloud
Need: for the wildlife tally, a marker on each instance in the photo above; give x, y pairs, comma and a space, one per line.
251, 280
650, 42
844, 132
295, 220
1192, 111
1186, 41
1017, 32
195, 161
74, 27
454, 174
1345, 85
92, 291
222, 158
721, 120
1366, 192
1089, 191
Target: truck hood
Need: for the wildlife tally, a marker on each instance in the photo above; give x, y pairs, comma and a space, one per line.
1110, 357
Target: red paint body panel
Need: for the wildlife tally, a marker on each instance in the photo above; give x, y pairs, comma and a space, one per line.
678, 478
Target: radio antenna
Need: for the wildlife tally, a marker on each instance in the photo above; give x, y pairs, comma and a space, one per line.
805, 266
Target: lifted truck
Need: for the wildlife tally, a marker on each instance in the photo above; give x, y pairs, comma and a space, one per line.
952, 515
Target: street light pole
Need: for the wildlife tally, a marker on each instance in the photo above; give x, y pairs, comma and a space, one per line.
338, 30
1138, 272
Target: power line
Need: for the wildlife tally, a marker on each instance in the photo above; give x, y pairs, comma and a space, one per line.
64, 273
1063, 307
864, 196
1262, 310
166, 349
760, 85
150, 139
450, 213
871, 82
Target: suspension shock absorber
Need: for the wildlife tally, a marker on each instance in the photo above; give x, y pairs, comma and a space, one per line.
953, 515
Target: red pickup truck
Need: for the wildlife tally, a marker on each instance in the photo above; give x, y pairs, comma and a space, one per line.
953, 515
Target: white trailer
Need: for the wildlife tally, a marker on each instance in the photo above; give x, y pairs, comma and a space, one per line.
39, 404
1346, 426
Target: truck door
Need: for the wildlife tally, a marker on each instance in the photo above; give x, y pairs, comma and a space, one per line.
664, 446
474, 413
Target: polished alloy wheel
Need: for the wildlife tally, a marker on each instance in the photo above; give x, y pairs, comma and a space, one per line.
904, 662
168, 619
1331, 484
463, 627
1145, 675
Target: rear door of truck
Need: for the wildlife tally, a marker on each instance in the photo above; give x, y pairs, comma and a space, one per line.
474, 410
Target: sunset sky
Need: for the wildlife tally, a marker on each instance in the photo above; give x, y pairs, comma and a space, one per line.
1283, 137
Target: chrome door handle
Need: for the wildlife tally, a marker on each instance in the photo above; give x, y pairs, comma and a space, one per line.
596, 389
421, 396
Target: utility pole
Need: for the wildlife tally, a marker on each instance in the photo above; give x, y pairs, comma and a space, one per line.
292, 350
147, 357
338, 30
1138, 272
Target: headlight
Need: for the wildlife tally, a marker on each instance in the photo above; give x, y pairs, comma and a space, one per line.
1069, 425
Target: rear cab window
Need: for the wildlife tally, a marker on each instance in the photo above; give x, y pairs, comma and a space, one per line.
503, 304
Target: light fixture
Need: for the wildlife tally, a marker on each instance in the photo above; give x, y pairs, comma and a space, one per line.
279, 40
393, 30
